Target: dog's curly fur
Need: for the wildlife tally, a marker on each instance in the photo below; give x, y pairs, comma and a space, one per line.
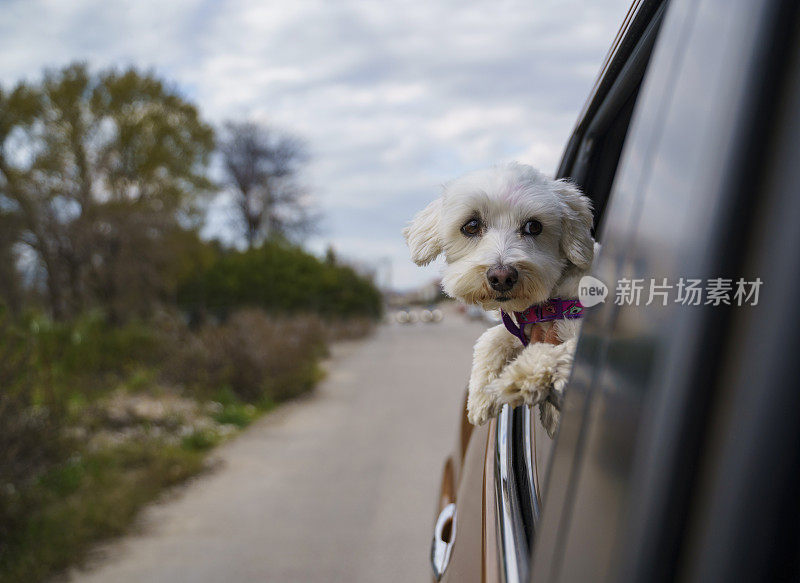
548, 264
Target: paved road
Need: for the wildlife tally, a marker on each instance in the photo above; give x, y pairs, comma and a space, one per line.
338, 487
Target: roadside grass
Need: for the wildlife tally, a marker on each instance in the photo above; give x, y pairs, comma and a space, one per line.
89, 439
231, 411
94, 496
88, 499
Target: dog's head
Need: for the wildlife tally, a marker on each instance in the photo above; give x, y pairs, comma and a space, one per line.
507, 235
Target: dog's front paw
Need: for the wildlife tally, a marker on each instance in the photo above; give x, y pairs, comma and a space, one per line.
492, 351
561, 371
482, 406
550, 408
541, 370
550, 417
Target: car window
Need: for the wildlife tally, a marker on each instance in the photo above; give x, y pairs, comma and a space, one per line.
590, 161
600, 137
592, 165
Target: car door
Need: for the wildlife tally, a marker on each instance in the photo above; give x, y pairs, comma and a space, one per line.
621, 495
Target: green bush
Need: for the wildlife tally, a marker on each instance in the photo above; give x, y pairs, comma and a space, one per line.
86, 354
32, 440
280, 278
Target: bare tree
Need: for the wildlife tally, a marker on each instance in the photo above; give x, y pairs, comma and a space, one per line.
262, 167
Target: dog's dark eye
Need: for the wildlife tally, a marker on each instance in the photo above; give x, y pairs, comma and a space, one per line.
532, 227
471, 228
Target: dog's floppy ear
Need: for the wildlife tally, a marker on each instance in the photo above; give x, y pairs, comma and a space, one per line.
576, 225
422, 234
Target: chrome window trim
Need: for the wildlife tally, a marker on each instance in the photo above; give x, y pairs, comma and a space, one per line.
515, 495
530, 462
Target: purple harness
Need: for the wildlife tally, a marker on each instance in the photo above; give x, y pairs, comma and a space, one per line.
552, 309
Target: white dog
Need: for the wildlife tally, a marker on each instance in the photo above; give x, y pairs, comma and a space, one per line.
516, 241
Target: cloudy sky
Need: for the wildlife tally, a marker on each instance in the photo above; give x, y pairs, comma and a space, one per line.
393, 98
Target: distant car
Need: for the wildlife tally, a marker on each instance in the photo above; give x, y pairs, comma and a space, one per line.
431, 315
678, 454
406, 316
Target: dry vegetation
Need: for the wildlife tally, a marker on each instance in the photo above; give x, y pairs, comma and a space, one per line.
97, 420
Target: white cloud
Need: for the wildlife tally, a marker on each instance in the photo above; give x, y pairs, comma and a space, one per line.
393, 98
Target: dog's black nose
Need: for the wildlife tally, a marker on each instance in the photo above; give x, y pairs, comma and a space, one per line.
502, 277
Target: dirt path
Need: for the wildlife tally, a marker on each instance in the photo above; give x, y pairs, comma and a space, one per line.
339, 487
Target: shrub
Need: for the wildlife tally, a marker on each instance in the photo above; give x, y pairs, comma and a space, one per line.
260, 358
31, 440
280, 278
86, 354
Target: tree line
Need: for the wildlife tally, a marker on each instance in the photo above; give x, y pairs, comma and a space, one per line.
104, 177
